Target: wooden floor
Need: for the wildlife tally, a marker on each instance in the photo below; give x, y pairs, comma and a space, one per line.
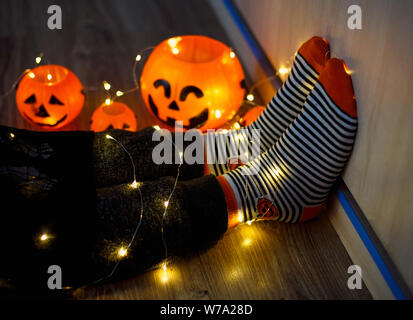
99, 41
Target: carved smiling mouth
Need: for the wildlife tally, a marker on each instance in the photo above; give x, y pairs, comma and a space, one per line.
46, 124
194, 122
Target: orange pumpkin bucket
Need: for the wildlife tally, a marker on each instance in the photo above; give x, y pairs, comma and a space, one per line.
193, 79
115, 115
50, 96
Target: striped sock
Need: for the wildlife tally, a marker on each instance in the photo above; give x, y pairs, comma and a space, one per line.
296, 175
279, 113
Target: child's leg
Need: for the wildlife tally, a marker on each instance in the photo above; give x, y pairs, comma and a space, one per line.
291, 181
280, 111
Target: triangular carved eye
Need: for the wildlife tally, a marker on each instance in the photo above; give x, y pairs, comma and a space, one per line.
110, 127
54, 100
31, 99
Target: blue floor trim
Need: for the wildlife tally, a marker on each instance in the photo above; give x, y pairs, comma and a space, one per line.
369, 244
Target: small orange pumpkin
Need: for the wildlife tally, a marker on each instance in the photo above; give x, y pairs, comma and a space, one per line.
50, 96
251, 115
193, 79
115, 115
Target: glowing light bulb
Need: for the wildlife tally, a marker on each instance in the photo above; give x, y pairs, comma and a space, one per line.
282, 71
31, 75
119, 93
164, 266
249, 222
135, 184
49, 76
106, 85
138, 57
237, 126
250, 97
224, 131
11, 135
172, 42
108, 101
44, 237
109, 137
175, 50
166, 203
240, 217
38, 59
181, 154
218, 114
122, 252
156, 128
232, 54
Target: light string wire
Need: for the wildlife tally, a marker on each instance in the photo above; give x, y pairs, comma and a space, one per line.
137, 185
168, 201
134, 185
250, 98
37, 60
15, 83
110, 98
283, 70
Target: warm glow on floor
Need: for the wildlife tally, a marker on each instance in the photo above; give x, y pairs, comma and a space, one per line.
247, 242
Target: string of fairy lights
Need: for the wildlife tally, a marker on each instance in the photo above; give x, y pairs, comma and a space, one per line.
122, 251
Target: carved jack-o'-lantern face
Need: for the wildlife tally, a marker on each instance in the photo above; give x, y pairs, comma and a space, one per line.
193, 79
113, 116
50, 96
266, 209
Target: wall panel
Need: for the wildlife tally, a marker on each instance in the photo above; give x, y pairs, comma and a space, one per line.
380, 172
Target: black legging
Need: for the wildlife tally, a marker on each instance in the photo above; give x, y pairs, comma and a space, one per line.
75, 187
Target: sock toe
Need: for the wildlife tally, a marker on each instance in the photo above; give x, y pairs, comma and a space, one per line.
338, 85
316, 51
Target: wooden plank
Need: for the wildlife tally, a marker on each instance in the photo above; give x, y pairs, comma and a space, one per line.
99, 41
263, 261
